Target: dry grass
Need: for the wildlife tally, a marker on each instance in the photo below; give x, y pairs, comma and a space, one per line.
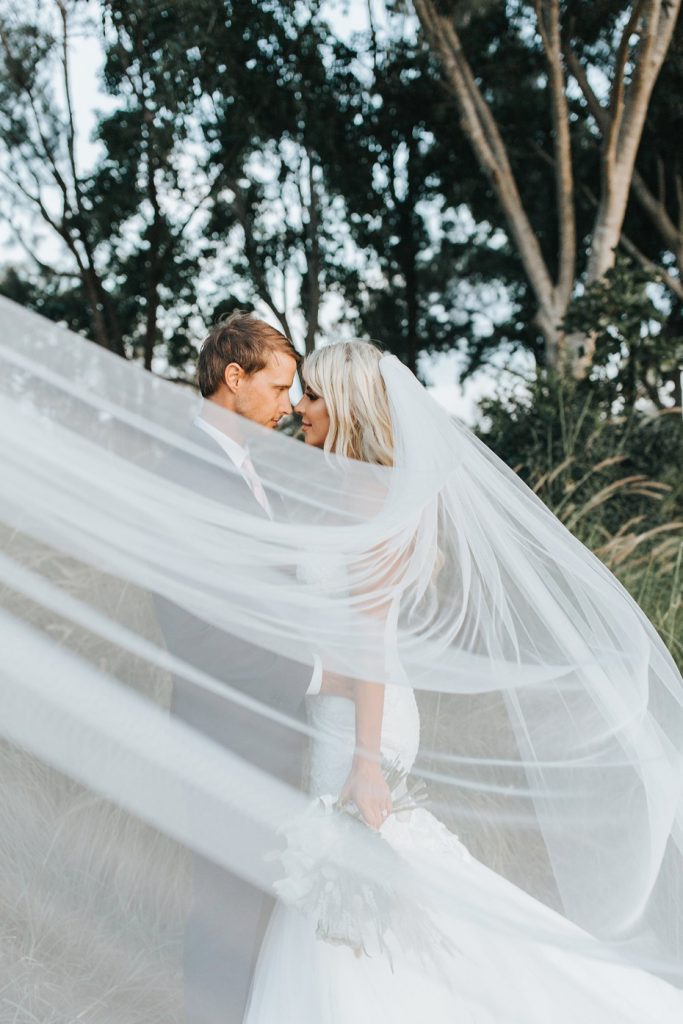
91, 899
90, 905
644, 550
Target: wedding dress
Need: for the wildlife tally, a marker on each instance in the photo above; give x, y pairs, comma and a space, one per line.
485, 978
301, 979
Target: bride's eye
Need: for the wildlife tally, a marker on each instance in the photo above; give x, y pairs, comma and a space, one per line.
311, 395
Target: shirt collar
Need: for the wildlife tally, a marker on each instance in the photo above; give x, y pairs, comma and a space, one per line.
235, 452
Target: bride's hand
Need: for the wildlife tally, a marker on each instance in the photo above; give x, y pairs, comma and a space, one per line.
367, 788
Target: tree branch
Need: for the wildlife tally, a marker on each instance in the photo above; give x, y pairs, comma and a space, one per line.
37, 201
482, 131
257, 275
616, 107
69, 275
564, 176
655, 208
625, 131
46, 154
644, 78
71, 130
672, 236
674, 284
600, 115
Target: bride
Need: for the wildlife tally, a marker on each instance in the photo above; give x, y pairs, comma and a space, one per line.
355, 400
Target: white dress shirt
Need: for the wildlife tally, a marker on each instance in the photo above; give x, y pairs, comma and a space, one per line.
239, 456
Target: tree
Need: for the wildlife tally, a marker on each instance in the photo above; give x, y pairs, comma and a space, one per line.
387, 165
635, 351
40, 168
251, 157
123, 224
276, 201
638, 38
257, 106
657, 185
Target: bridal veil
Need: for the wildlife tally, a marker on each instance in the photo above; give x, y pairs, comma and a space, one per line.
552, 713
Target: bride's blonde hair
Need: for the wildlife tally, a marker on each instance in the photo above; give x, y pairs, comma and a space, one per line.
347, 377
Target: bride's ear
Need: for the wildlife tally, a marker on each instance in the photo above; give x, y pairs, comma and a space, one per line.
232, 375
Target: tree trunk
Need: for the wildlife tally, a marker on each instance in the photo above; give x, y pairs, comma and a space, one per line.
153, 271
670, 233
105, 322
151, 323
409, 251
99, 324
654, 23
312, 251
481, 129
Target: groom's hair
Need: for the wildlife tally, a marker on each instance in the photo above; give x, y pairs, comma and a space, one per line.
238, 338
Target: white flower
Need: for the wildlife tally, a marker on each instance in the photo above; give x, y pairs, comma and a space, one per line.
347, 908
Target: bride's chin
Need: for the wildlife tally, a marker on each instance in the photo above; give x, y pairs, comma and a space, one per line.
313, 442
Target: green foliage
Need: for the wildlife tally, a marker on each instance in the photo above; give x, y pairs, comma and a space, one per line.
615, 481
388, 165
503, 46
637, 350
250, 152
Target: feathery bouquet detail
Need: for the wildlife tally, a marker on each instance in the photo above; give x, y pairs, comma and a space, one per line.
349, 908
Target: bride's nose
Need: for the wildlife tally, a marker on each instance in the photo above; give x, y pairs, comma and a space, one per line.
298, 408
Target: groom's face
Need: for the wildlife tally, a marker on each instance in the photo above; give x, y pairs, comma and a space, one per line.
263, 397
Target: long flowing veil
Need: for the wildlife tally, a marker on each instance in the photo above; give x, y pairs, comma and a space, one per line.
552, 713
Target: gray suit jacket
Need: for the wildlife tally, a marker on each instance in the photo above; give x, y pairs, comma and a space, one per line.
228, 917
269, 678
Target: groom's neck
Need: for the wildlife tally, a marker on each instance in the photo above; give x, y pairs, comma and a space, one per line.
214, 412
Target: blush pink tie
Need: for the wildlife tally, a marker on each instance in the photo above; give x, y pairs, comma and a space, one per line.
251, 476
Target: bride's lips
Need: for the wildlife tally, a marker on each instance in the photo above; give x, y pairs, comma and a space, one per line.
305, 425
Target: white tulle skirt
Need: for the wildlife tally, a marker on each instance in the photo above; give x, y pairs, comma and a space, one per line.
489, 978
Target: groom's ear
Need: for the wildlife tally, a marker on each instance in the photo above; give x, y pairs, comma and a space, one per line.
232, 376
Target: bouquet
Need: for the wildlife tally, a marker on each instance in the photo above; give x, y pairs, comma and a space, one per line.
368, 915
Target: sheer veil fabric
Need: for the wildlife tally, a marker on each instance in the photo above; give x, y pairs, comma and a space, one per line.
552, 713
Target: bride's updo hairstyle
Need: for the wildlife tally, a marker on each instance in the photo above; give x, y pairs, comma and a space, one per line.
347, 377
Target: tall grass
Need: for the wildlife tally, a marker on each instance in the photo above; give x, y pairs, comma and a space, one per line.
629, 520
615, 481
92, 900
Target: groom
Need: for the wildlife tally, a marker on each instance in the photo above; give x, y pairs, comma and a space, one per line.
246, 367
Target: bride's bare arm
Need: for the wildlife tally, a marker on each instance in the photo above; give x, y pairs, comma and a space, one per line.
335, 685
366, 786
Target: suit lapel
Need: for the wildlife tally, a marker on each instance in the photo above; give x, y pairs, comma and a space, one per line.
200, 437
